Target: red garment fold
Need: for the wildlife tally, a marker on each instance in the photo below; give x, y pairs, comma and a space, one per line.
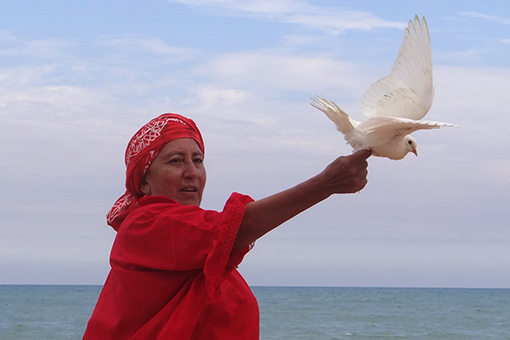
174, 276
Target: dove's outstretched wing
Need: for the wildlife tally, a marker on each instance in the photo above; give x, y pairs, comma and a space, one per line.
377, 131
343, 122
408, 91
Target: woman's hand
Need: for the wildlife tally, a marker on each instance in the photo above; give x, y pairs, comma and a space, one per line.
346, 174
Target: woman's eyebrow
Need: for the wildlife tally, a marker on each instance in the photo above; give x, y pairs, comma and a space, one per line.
171, 154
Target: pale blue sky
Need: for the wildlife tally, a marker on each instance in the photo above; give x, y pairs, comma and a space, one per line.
78, 78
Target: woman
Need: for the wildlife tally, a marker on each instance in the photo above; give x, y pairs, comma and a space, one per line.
173, 265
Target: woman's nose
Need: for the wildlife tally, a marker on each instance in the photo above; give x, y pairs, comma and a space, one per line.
190, 170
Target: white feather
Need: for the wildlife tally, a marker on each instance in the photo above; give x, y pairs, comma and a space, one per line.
394, 104
408, 91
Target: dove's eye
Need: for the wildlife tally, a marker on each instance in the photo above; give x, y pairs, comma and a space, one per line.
410, 142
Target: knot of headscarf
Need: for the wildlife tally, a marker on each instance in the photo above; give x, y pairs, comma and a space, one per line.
143, 147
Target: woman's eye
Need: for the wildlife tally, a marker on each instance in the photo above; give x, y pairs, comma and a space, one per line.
175, 160
198, 160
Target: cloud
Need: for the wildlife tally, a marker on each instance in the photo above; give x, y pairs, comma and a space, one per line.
487, 17
134, 43
6, 36
278, 70
333, 20
13, 46
475, 98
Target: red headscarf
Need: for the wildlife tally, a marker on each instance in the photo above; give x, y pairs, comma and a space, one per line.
143, 147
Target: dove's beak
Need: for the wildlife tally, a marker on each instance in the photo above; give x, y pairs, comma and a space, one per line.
415, 151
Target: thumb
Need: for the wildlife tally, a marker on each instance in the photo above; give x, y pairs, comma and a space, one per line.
361, 155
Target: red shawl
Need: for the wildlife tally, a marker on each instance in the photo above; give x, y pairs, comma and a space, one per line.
174, 276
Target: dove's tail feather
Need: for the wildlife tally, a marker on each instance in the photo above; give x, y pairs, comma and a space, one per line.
343, 122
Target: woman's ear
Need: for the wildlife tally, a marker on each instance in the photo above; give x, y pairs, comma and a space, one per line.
145, 187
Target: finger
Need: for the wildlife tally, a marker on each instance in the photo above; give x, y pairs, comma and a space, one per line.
361, 155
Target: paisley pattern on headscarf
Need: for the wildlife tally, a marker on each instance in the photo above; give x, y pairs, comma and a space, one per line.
143, 147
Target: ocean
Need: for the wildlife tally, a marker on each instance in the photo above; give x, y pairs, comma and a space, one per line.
289, 313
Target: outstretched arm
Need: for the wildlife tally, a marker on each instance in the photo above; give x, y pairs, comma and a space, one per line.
344, 175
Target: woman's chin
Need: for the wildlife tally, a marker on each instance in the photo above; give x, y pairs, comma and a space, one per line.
189, 199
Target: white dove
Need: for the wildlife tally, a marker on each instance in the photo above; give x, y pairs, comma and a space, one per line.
394, 104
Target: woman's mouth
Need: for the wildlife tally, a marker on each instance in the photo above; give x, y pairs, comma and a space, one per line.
188, 190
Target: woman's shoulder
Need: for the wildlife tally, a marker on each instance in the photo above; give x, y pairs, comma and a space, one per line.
163, 206
150, 200
154, 210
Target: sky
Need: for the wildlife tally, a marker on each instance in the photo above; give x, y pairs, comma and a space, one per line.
79, 78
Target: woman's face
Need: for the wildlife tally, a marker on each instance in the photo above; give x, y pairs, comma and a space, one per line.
177, 172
